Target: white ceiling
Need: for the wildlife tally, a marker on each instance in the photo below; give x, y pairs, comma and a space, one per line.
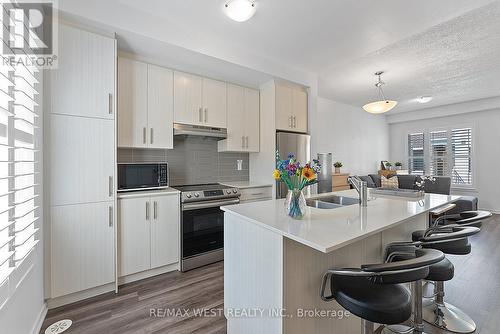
446, 48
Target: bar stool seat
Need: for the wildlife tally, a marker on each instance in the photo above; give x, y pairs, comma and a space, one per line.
455, 247
381, 303
441, 271
466, 218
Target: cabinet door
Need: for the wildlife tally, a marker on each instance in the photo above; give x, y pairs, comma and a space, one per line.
252, 113
134, 217
299, 110
235, 118
165, 230
160, 107
187, 99
283, 107
84, 82
82, 160
214, 103
82, 247
132, 103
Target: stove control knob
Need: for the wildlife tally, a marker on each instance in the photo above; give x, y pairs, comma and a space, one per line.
188, 195
235, 191
196, 195
228, 192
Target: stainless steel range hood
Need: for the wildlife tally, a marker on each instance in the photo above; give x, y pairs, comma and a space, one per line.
197, 130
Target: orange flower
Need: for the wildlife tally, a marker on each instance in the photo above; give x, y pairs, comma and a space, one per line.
277, 174
308, 173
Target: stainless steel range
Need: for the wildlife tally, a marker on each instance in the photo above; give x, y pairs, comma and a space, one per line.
202, 223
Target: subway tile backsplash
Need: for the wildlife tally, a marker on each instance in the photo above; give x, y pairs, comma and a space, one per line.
193, 160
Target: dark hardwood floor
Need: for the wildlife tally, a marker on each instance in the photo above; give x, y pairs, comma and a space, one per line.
475, 289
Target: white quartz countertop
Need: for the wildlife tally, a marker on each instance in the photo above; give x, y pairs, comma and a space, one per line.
148, 193
245, 184
329, 229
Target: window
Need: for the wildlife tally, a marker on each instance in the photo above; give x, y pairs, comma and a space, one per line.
18, 165
444, 152
416, 153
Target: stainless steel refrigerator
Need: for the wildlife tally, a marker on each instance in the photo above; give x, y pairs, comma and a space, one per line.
294, 143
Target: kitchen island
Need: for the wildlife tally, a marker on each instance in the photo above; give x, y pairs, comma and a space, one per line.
273, 264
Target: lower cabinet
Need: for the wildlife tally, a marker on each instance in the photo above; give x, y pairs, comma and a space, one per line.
148, 232
82, 247
256, 194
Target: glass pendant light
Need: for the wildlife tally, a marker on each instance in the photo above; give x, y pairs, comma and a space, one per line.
382, 106
240, 10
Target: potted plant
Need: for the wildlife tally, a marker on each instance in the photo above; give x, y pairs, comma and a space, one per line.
388, 165
337, 166
296, 177
398, 165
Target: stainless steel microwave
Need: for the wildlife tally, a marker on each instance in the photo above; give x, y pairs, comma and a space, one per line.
142, 176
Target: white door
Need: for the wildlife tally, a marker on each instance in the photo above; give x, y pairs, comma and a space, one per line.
187, 99
84, 82
165, 230
235, 118
132, 103
283, 107
251, 119
134, 217
160, 107
82, 161
214, 103
299, 110
82, 247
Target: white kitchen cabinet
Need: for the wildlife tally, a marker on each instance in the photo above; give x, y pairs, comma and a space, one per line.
199, 101
83, 84
187, 99
145, 105
82, 247
291, 108
255, 194
132, 103
82, 161
148, 232
242, 120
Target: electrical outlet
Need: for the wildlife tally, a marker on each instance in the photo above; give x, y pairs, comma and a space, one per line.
239, 164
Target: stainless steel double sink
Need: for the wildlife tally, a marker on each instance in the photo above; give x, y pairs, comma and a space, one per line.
331, 202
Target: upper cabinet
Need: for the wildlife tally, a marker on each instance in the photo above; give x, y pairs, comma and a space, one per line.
145, 105
86, 89
291, 108
242, 120
199, 101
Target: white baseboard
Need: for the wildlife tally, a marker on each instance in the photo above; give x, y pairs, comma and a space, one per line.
148, 273
39, 321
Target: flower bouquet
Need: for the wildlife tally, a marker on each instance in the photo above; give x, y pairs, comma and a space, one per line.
296, 178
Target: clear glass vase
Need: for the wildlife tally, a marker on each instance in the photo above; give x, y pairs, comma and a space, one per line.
295, 204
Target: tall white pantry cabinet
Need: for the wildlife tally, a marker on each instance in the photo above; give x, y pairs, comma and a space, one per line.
80, 131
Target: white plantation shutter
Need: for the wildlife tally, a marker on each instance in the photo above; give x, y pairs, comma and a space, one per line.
438, 145
461, 147
416, 163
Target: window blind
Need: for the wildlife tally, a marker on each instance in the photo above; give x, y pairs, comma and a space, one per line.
416, 163
461, 147
438, 145
18, 163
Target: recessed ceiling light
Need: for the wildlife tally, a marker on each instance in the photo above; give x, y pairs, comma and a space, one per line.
424, 99
240, 10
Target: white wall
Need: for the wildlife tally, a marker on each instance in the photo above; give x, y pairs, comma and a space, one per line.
486, 138
356, 138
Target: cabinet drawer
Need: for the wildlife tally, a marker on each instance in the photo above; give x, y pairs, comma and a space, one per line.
254, 194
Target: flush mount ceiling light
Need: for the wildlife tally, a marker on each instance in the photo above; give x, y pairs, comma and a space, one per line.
239, 10
382, 106
424, 99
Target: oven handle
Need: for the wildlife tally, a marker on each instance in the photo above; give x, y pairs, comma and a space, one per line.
208, 204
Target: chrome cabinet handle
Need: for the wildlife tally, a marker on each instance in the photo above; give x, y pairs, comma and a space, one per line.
144, 135
110, 102
110, 216
242, 141
147, 210
294, 122
290, 123
155, 209
110, 186
206, 115
151, 135
246, 146
200, 114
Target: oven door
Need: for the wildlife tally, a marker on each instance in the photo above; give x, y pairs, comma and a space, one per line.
203, 227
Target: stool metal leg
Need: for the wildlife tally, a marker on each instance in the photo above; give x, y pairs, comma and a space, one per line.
447, 316
367, 327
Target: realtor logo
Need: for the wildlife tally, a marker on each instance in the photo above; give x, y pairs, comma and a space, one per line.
29, 33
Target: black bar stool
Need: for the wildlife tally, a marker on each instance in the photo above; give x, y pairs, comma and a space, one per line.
434, 238
439, 313
375, 292
465, 218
